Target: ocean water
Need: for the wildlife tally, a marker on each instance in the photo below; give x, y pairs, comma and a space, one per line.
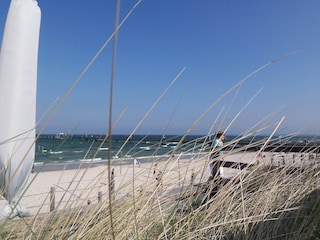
51, 149
69, 149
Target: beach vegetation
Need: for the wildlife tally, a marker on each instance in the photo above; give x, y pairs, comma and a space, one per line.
262, 201
169, 195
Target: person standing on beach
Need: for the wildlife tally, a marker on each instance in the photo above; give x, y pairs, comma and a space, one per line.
216, 154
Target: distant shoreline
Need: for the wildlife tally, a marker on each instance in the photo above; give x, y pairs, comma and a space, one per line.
56, 166
293, 140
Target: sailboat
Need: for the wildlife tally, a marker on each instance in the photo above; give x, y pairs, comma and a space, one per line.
18, 80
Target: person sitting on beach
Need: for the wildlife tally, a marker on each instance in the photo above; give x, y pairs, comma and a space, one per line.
216, 154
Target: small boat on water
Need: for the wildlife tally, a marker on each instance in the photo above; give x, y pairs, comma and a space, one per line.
145, 148
60, 136
103, 149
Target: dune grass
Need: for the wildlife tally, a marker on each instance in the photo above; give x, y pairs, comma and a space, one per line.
175, 201
263, 201
260, 202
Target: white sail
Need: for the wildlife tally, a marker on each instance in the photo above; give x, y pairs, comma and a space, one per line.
18, 79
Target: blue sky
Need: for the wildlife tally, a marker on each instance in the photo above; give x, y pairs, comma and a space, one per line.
219, 43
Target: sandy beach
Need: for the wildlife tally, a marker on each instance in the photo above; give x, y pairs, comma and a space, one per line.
88, 185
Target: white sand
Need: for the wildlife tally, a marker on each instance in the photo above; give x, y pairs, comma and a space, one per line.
76, 187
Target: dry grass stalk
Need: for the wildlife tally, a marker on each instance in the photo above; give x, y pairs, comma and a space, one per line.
260, 202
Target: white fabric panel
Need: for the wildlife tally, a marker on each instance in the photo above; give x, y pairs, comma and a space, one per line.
18, 79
